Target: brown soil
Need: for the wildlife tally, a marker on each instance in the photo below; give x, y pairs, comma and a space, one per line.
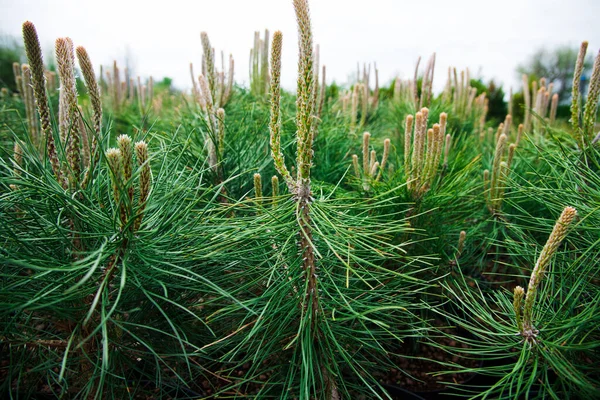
417, 373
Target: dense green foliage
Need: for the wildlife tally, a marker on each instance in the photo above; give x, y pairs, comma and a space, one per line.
209, 296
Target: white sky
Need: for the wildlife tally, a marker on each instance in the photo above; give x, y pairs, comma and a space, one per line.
488, 37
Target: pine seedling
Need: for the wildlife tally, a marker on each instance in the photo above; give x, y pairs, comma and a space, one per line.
18, 158
51, 81
422, 156
211, 120
85, 143
259, 65
365, 153
499, 132
221, 132
504, 172
275, 117
461, 243
195, 89
38, 79
120, 162
519, 133
150, 89
486, 182
301, 186
229, 88
591, 104
28, 99
214, 118
355, 165
18, 162
447, 151
115, 81
126, 147
518, 295
464, 100
115, 163
559, 232
541, 103
141, 153
500, 146
576, 93
427, 83
494, 192
507, 125
354, 107
404, 91
363, 99
397, 89
68, 110
16, 67
371, 168
534, 93
93, 88
220, 92
322, 93
553, 108
131, 91
305, 100
264, 62
258, 189
386, 153
408, 127
482, 105
141, 90
415, 86
527, 97
417, 149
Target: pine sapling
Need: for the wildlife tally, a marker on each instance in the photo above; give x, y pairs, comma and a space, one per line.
576, 92
85, 143
221, 132
518, 295
559, 232
115, 164
93, 88
68, 110
38, 79
141, 153
301, 186
275, 117
126, 147
423, 154
527, 97
258, 189
591, 104
18, 162
28, 99
461, 243
494, 191
553, 108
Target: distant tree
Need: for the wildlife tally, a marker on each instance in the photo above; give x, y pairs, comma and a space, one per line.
11, 51
495, 94
558, 66
166, 82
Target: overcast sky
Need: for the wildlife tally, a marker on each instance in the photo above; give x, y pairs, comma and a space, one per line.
162, 37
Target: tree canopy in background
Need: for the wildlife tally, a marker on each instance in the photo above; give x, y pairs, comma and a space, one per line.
556, 65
